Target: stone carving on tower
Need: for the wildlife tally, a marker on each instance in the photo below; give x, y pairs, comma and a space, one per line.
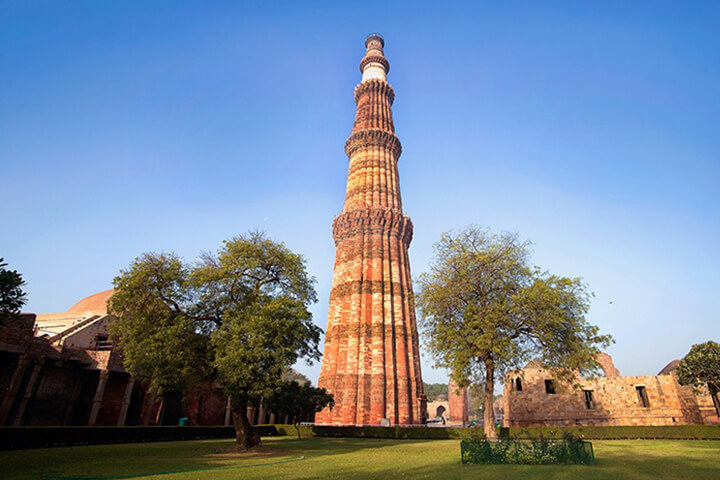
371, 361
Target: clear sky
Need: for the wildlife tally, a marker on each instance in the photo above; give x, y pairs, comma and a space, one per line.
590, 128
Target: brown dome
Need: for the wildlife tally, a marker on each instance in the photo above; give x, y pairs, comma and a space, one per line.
96, 304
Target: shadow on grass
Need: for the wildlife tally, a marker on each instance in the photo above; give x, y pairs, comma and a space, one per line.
148, 459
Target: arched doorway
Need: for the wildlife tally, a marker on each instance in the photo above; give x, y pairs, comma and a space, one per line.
440, 411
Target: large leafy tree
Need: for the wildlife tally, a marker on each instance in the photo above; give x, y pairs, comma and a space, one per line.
485, 309
12, 295
701, 369
239, 316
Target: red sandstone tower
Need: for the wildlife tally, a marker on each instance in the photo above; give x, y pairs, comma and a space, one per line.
371, 361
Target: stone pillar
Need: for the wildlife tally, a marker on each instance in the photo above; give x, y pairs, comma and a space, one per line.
29, 392
250, 412
12, 391
97, 400
126, 402
228, 411
457, 404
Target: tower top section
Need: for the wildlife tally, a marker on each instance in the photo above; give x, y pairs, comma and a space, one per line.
374, 65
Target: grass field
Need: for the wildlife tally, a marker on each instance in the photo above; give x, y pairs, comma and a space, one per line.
335, 458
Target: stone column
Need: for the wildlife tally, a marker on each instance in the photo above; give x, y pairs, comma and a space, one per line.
13, 388
126, 402
228, 411
29, 392
250, 412
97, 400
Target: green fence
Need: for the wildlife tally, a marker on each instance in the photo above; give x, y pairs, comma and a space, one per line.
530, 452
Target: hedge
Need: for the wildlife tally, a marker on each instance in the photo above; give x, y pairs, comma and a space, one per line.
668, 432
386, 432
12, 438
40, 437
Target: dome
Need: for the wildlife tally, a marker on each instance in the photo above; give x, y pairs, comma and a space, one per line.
96, 304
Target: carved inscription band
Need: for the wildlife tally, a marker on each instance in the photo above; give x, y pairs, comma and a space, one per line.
374, 85
352, 222
365, 138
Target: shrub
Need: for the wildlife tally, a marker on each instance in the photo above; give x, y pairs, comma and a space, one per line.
569, 450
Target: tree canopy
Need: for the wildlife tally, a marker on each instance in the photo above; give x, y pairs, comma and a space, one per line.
239, 316
12, 295
434, 390
485, 309
298, 401
701, 369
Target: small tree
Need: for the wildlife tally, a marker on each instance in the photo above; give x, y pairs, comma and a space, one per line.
701, 369
299, 402
239, 316
12, 296
484, 309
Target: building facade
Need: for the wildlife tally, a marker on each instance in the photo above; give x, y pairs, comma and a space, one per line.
62, 369
371, 361
533, 398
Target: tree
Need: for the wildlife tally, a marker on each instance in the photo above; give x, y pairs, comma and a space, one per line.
484, 309
12, 296
239, 316
433, 390
299, 401
701, 369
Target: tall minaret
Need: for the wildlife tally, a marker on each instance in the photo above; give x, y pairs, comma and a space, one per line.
371, 361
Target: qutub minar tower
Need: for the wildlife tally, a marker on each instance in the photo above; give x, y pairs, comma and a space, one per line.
371, 361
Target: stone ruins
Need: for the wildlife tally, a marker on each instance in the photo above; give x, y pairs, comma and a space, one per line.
533, 398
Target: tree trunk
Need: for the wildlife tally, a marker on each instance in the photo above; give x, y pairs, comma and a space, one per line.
297, 427
489, 413
714, 395
246, 435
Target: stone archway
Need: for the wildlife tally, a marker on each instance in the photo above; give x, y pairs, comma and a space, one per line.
440, 411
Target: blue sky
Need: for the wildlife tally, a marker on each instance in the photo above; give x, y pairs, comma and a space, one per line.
590, 128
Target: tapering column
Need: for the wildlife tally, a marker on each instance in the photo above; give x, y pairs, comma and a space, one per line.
371, 361
97, 400
457, 404
29, 392
127, 396
228, 411
13, 387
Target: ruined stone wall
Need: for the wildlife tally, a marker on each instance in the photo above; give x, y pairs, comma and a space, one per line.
613, 400
86, 337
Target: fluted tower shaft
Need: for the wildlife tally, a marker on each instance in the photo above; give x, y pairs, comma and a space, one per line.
371, 361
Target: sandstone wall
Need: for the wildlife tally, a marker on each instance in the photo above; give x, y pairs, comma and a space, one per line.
613, 400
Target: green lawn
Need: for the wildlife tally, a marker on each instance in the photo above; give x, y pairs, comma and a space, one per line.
356, 459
